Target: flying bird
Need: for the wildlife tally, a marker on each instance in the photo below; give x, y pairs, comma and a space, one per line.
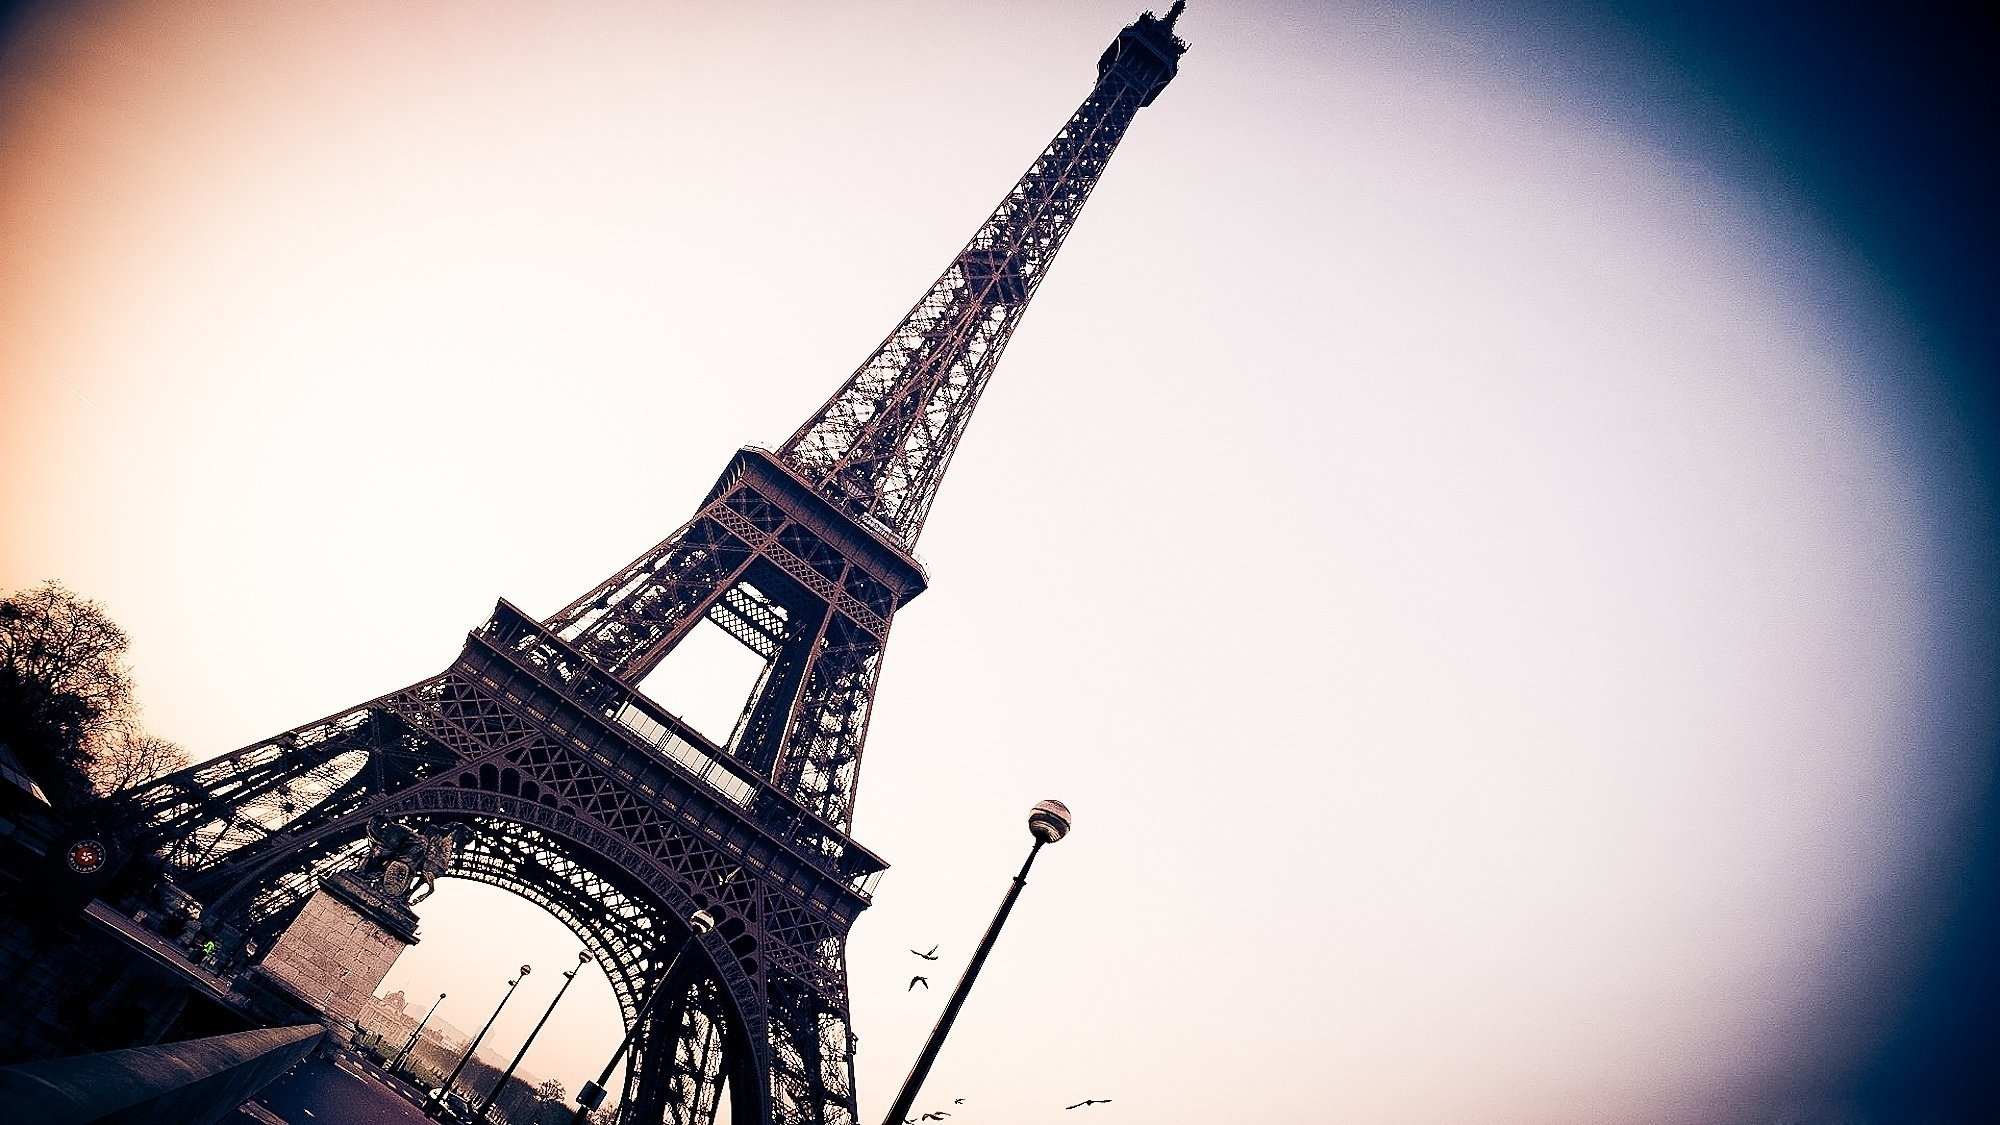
958, 1101
931, 956
940, 1115
915, 981
1088, 1101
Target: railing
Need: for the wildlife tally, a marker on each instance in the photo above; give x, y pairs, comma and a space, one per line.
710, 769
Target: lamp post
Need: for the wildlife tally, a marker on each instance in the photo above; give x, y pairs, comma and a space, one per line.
480, 1113
1048, 822
444, 1088
414, 1035
592, 1094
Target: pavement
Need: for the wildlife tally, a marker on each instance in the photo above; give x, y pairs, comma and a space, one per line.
332, 1091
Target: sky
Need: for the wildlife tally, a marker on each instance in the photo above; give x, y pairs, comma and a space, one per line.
1488, 524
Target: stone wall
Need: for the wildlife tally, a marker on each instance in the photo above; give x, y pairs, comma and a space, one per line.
192, 1082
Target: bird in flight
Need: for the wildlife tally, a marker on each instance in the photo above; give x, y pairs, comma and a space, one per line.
1088, 1101
940, 1115
931, 956
915, 981
958, 1101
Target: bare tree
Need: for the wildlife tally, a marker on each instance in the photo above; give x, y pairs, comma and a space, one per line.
66, 705
546, 1106
133, 758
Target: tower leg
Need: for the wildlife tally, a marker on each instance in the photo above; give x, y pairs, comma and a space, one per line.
812, 1069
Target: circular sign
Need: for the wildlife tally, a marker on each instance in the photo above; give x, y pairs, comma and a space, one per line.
86, 857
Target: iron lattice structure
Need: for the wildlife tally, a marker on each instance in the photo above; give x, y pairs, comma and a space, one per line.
588, 799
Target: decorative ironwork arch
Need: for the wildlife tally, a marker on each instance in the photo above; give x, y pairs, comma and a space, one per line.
623, 932
626, 908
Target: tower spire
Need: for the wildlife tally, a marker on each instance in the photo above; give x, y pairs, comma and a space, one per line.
879, 447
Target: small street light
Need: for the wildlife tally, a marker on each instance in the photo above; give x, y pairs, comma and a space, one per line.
1048, 822
592, 1094
444, 1089
480, 1113
414, 1035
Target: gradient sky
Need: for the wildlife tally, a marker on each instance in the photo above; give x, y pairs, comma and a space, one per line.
1487, 525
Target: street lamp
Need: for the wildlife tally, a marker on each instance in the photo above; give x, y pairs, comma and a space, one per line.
404, 1053
480, 1113
1048, 822
592, 1094
444, 1088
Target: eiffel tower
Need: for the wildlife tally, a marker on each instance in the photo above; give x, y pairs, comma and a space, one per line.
571, 788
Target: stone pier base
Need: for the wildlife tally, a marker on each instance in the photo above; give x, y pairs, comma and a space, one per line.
335, 954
